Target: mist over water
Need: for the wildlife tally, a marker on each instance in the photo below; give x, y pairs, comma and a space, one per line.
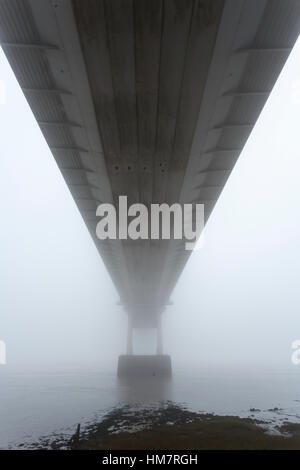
235, 308
37, 403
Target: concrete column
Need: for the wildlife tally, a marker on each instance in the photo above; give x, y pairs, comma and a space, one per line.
159, 349
129, 336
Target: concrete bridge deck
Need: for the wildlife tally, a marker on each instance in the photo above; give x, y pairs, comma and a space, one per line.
154, 100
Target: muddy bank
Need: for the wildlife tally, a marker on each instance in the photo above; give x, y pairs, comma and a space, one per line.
172, 426
177, 429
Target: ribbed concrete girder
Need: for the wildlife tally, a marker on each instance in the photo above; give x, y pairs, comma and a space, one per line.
150, 99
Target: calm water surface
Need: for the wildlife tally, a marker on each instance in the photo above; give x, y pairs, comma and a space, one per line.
36, 403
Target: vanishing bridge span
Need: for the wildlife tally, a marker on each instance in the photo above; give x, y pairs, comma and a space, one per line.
152, 99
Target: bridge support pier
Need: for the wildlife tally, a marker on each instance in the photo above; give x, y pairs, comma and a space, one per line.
143, 366
129, 336
150, 365
159, 348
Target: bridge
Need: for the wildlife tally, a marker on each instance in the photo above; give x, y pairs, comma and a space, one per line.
151, 99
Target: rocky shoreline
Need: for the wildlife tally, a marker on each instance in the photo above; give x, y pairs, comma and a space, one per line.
171, 426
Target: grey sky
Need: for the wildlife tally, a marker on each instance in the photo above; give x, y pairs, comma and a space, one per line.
238, 298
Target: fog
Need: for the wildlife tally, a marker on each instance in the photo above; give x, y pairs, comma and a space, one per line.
237, 301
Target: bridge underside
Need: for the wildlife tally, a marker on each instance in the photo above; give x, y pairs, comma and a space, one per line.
149, 99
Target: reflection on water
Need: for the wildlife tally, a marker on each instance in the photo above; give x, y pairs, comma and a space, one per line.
145, 390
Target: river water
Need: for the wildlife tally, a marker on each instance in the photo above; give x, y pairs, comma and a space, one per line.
35, 403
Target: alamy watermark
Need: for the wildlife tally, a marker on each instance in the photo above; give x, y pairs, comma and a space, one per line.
2, 353
295, 357
2, 92
161, 222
